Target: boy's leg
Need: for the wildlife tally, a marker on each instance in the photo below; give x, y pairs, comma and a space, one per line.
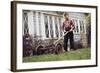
65, 42
71, 40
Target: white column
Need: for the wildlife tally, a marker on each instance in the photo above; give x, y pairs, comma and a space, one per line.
30, 23
42, 27
37, 25
53, 22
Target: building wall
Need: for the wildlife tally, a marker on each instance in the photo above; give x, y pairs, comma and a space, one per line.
47, 25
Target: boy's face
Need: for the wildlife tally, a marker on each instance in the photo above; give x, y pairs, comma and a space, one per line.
66, 16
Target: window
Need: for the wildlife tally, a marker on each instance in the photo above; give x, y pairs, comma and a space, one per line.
81, 26
56, 27
51, 26
39, 22
46, 26
73, 20
34, 23
76, 23
60, 26
25, 17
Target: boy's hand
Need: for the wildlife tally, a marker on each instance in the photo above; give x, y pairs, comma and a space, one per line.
71, 30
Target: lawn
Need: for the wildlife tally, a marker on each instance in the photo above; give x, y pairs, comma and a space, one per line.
80, 54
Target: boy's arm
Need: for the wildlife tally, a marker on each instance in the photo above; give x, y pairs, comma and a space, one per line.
72, 26
62, 28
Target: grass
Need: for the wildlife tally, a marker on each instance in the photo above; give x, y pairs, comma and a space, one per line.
80, 54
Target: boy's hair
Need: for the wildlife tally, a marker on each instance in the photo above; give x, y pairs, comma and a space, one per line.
65, 14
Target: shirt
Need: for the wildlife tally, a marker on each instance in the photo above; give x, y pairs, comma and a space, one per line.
68, 24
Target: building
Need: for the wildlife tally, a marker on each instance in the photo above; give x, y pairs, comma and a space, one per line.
46, 25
